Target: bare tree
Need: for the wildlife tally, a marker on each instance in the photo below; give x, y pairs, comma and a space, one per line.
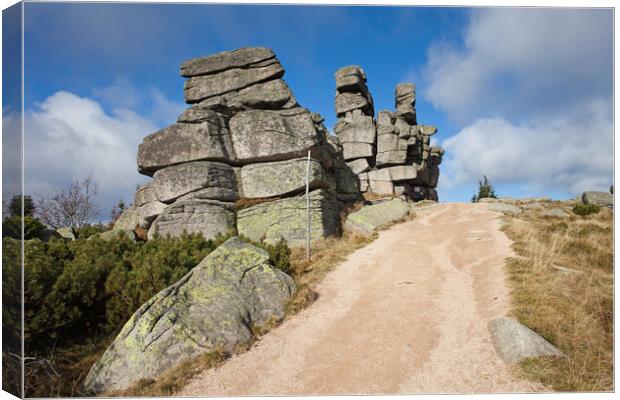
72, 206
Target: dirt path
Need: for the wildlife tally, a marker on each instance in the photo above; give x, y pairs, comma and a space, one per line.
406, 314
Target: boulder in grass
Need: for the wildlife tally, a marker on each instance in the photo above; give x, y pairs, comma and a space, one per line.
508, 209
515, 342
603, 199
217, 305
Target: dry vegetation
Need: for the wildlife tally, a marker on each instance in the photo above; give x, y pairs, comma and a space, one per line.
562, 287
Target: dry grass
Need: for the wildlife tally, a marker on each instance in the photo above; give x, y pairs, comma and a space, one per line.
562, 287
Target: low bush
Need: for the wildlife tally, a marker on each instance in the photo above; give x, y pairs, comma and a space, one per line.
586, 209
79, 294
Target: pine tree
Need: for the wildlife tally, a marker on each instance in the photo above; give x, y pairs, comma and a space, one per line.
485, 190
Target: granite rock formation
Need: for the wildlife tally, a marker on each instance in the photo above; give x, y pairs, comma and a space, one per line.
243, 140
392, 155
236, 159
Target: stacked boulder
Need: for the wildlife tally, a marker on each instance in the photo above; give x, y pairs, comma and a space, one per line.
244, 140
392, 155
355, 129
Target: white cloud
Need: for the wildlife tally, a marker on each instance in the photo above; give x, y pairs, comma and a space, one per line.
549, 155
519, 61
71, 136
532, 90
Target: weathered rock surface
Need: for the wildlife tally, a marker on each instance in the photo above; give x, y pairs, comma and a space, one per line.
129, 219
144, 194
358, 165
373, 217
356, 128
179, 143
347, 102
261, 135
286, 218
505, 208
555, 213
351, 79
239, 58
603, 199
215, 181
216, 305
281, 178
271, 95
515, 342
353, 150
66, 233
208, 217
198, 88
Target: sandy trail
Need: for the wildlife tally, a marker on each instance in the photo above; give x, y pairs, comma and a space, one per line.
406, 314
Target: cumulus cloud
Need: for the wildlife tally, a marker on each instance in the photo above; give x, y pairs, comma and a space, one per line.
70, 136
520, 61
532, 90
561, 154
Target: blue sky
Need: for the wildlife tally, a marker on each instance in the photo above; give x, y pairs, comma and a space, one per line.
522, 95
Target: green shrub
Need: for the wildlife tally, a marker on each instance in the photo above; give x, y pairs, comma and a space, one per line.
86, 231
586, 209
12, 227
279, 255
85, 289
151, 267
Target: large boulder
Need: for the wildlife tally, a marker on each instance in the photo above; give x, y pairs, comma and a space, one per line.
370, 218
198, 88
218, 62
351, 78
271, 95
515, 342
603, 199
144, 194
281, 178
262, 135
287, 218
356, 128
208, 217
215, 181
359, 165
180, 143
129, 219
353, 150
347, 102
217, 305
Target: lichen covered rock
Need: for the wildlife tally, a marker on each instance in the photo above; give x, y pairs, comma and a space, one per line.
281, 178
215, 180
371, 218
215, 306
208, 217
287, 218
